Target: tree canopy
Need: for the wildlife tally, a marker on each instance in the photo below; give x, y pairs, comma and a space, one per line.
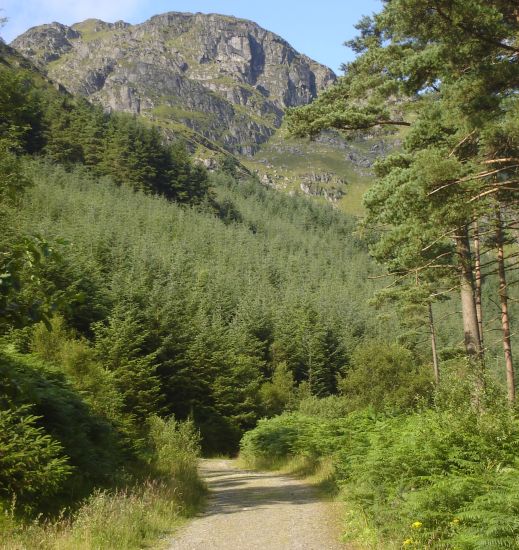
448, 71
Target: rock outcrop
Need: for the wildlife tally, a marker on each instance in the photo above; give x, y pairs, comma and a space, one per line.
324, 184
225, 78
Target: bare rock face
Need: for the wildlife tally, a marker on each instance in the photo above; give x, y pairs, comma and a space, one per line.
325, 184
49, 43
225, 78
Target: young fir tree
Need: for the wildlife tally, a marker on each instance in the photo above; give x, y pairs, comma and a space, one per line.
123, 347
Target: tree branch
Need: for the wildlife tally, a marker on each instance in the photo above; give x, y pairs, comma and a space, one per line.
375, 123
458, 145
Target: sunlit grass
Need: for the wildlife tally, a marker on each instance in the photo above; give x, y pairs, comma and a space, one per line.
144, 514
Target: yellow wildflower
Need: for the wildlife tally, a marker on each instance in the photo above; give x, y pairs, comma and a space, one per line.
455, 521
407, 542
416, 525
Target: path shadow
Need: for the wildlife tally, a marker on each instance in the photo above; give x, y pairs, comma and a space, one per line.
234, 491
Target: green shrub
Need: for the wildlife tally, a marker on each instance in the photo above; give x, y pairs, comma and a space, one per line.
385, 377
32, 464
272, 439
440, 477
133, 516
426, 467
77, 360
492, 519
295, 434
333, 406
278, 393
92, 443
176, 447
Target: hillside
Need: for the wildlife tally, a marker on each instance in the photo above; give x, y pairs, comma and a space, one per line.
147, 312
328, 169
154, 310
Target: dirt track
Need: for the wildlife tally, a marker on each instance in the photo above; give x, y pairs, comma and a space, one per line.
252, 511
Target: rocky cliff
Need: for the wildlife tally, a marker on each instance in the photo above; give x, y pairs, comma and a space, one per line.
226, 79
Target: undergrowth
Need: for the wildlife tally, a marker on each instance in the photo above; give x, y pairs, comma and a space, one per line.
127, 519
444, 476
138, 514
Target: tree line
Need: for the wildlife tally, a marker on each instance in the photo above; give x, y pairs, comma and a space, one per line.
37, 119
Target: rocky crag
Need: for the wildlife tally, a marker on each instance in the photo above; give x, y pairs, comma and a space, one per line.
225, 79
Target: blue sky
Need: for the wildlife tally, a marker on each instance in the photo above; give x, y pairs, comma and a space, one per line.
316, 28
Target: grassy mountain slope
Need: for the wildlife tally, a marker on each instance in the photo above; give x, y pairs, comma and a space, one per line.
328, 169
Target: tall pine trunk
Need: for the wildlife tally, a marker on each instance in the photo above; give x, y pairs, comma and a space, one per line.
436, 367
468, 302
478, 280
503, 299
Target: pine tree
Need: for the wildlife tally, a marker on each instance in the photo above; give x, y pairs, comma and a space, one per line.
413, 71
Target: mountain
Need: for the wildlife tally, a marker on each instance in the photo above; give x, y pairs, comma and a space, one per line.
220, 82
223, 79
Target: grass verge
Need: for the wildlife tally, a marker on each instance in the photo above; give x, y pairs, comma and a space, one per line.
138, 517
143, 513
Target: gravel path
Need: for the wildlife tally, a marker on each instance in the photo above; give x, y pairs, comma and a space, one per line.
259, 511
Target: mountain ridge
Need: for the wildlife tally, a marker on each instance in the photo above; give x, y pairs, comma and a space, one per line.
225, 78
